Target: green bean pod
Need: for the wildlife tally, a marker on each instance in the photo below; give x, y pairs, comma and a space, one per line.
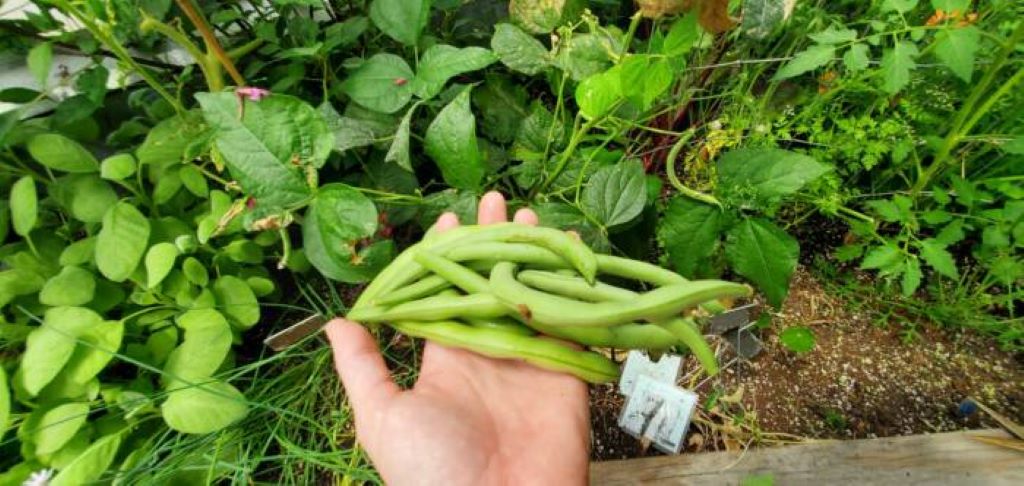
502, 324
650, 273
433, 309
688, 332
452, 272
546, 354
428, 285
573, 286
658, 304
510, 252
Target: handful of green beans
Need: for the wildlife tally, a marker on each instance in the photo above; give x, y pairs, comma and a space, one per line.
493, 289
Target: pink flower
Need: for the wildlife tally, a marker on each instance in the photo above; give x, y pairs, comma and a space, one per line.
252, 93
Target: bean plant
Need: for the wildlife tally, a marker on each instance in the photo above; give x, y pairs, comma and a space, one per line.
180, 178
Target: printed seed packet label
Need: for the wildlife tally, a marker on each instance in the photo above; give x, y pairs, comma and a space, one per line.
658, 412
665, 370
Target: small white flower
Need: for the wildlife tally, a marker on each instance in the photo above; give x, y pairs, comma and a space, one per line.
39, 478
715, 125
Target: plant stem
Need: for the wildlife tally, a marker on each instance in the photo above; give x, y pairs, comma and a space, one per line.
213, 46
211, 70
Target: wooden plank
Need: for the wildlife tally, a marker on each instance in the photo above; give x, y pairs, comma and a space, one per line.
947, 458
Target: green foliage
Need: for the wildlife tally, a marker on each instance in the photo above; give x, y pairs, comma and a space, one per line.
798, 339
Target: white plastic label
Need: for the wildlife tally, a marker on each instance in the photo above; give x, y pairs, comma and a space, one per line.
658, 412
665, 370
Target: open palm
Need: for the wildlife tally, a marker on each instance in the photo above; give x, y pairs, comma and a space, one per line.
468, 419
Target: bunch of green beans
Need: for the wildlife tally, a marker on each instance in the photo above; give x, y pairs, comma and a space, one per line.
495, 289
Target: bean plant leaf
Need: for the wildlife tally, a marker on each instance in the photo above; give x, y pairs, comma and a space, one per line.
766, 173
566, 217
259, 149
856, 58
682, 36
349, 133
121, 242
50, 346
937, 257
72, 286
24, 206
798, 339
40, 60
502, 107
61, 153
173, 140
765, 254
206, 344
956, 48
90, 465
807, 60
584, 55
382, 83
402, 20
451, 141
616, 194
58, 425
519, 50
398, 152
896, 66
237, 301
207, 408
336, 224
597, 94
542, 16
159, 262
761, 17
442, 62
689, 231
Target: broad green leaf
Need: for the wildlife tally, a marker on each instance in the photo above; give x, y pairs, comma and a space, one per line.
335, 225
761, 17
210, 408
583, 55
886, 259
18, 281
798, 339
597, 94
382, 83
121, 242
542, 16
765, 254
501, 105
911, 277
61, 153
206, 344
237, 301
451, 141
40, 60
856, 58
79, 253
90, 465
195, 271
57, 426
937, 257
72, 286
344, 33
683, 35
518, 50
50, 346
349, 133
566, 217
91, 197
901, 6
5, 403
956, 48
173, 140
896, 66
766, 173
259, 149
807, 60
616, 194
834, 35
194, 180
117, 167
689, 232
24, 206
159, 262
442, 62
398, 152
97, 349
402, 20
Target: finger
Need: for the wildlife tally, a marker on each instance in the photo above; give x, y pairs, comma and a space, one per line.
492, 209
446, 222
526, 216
360, 365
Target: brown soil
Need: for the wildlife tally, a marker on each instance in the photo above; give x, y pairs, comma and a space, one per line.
861, 380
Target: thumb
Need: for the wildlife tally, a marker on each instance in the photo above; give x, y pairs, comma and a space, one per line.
360, 365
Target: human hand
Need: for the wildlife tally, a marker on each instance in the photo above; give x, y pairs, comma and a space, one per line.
468, 419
